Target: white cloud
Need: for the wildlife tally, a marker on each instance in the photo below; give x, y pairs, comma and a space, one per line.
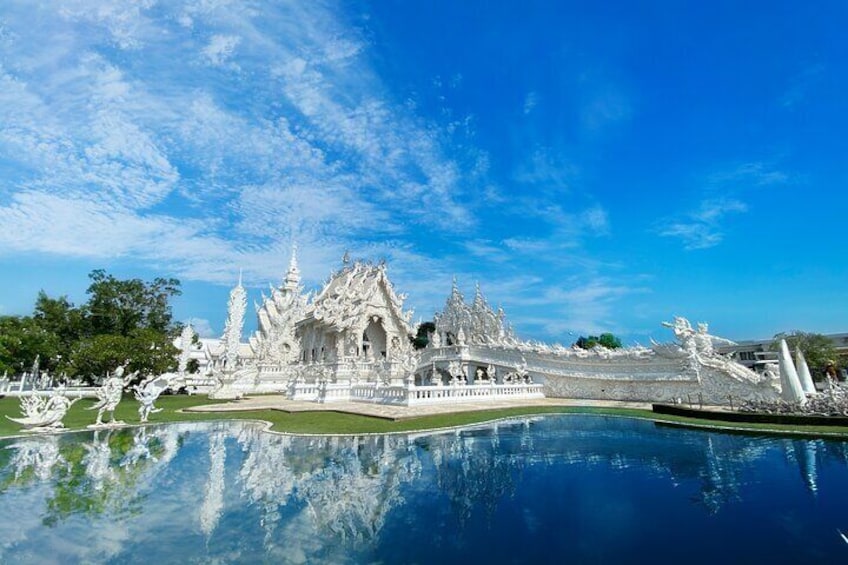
753, 174
202, 327
703, 228
119, 142
564, 309
220, 48
530, 102
723, 190
546, 170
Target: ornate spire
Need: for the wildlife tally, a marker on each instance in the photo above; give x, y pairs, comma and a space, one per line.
186, 337
293, 276
235, 322
479, 299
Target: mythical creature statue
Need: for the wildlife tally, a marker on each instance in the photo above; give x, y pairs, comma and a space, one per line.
44, 413
456, 372
147, 393
109, 395
435, 340
409, 362
695, 343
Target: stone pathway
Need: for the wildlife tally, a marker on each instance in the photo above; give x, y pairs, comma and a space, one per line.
279, 402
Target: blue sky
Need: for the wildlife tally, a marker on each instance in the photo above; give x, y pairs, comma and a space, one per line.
595, 168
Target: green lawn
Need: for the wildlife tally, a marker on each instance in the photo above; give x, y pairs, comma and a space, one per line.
324, 422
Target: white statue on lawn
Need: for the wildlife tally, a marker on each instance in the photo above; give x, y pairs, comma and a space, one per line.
109, 395
42, 413
147, 393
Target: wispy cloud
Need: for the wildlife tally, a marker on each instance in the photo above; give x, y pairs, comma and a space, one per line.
754, 174
801, 84
530, 101
546, 170
207, 135
566, 230
722, 197
220, 48
703, 228
578, 306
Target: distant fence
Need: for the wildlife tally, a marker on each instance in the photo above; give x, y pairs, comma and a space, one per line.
411, 395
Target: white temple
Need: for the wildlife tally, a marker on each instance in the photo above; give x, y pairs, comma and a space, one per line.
352, 341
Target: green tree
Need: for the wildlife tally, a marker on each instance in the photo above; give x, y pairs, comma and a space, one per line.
22, 339
586, 342
122, 319
609, 341
422, 336
60, 318
149, 351
118, 307
818, 349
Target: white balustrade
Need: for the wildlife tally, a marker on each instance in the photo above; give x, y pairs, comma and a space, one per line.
418, 395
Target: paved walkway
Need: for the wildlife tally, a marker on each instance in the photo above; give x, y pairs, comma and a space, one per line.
279, 402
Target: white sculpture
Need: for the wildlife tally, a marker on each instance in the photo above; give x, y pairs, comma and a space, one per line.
705, 342
455, 371
804, 373
435, 376
186, 339
44, 413
460, 337
109, 395
475, 324
147, 393
435, 340
791, 389
235, 323
275, 340
521, 371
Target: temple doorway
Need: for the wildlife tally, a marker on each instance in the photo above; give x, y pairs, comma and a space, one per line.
374, 339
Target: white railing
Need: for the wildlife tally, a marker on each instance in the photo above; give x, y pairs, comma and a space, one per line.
472, 393
303, 391
418, 395
333, 392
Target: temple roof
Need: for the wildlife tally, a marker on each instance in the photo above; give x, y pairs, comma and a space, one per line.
349, 293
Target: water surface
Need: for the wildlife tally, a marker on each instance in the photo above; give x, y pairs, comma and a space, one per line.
581, 489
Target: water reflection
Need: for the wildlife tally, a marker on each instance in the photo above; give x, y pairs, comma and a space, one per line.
232, 492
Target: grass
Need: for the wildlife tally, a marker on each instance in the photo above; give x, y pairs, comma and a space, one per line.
328, 422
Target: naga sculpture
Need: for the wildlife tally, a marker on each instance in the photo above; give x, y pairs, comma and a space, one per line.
41, 414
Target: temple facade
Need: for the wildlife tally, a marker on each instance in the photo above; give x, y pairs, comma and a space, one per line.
351, 341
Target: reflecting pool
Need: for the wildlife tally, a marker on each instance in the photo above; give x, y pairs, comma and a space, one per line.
550, 489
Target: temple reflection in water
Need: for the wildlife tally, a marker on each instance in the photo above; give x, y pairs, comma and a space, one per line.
232, 491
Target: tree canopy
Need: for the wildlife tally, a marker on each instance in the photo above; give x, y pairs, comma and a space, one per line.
122, 319
422, 336
607, 340
120, 306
